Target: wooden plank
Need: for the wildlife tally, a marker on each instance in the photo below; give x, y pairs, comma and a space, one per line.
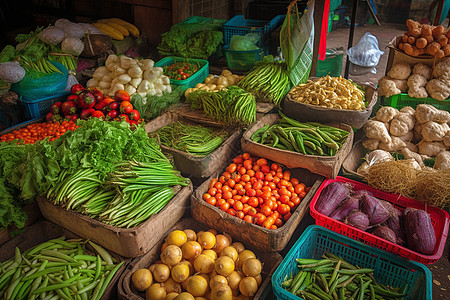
154, 3
180, 10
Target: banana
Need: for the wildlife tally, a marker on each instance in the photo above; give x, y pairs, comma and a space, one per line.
111, 31
134, 31
123, 30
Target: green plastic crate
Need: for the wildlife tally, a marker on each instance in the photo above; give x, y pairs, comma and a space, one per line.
400, 100
192, 81
332, 65
242, 60
335, 4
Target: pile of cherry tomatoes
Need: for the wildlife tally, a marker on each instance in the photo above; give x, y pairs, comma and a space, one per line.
256, 191
39, 131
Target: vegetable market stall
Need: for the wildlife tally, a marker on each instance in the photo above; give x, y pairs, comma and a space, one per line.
111, 182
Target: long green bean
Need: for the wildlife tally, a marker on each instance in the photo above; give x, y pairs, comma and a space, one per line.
34, 277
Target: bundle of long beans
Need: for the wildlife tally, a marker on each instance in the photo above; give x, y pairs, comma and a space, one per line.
67, 60
267, 81
232, 105
133, 192
58, 269
333, 278
193, 139
307, 138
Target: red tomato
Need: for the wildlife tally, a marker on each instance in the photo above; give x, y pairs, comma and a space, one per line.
121, 95
253, 202
265, 169
126, 107
248, 219
284, 209
265, 210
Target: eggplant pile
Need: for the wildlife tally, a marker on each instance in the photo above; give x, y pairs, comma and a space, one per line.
360, 209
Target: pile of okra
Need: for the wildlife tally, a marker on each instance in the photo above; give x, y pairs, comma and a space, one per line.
331, 278
57, 269
307, 138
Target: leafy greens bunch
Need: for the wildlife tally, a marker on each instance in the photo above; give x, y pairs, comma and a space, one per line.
31, 170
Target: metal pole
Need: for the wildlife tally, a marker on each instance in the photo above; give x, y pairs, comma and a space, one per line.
350, 38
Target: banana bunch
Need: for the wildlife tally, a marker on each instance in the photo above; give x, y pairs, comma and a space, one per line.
116, 28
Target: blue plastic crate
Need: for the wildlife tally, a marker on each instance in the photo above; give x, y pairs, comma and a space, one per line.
35, 108
192, 81
388, 268
238, 25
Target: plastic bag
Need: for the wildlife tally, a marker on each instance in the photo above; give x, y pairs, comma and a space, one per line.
366, 53
71, 80
244, 42
52, 84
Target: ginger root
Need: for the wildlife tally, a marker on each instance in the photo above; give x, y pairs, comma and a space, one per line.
387, 87
370, 144
395, 145
386, 114
408, 154
416, 84
400, 71
423, 70
376, 130
442, 161
431, 149
439, 88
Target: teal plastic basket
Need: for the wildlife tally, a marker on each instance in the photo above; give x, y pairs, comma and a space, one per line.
192, 81
35, 108
388, 268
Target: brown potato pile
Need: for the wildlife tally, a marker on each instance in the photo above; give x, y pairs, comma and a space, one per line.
425, 40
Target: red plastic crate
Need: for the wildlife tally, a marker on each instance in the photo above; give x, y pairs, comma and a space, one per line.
439, 218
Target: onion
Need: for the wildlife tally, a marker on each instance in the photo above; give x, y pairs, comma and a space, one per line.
394, 224
351, 203
373, 208
385, 233
357, 219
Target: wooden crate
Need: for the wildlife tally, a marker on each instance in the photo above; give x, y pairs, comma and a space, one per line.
127, 242
327, 166
353, 161
33, 215
43, 231
270, 261
192, 165
270, 240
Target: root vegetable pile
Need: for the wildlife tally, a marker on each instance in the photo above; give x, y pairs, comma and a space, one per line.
256, 191
203, 264
425, 40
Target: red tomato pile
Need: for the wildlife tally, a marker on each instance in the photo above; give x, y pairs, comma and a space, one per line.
39, 131
90, 102
256, 191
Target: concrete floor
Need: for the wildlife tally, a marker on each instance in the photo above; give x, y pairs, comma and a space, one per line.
384, 33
